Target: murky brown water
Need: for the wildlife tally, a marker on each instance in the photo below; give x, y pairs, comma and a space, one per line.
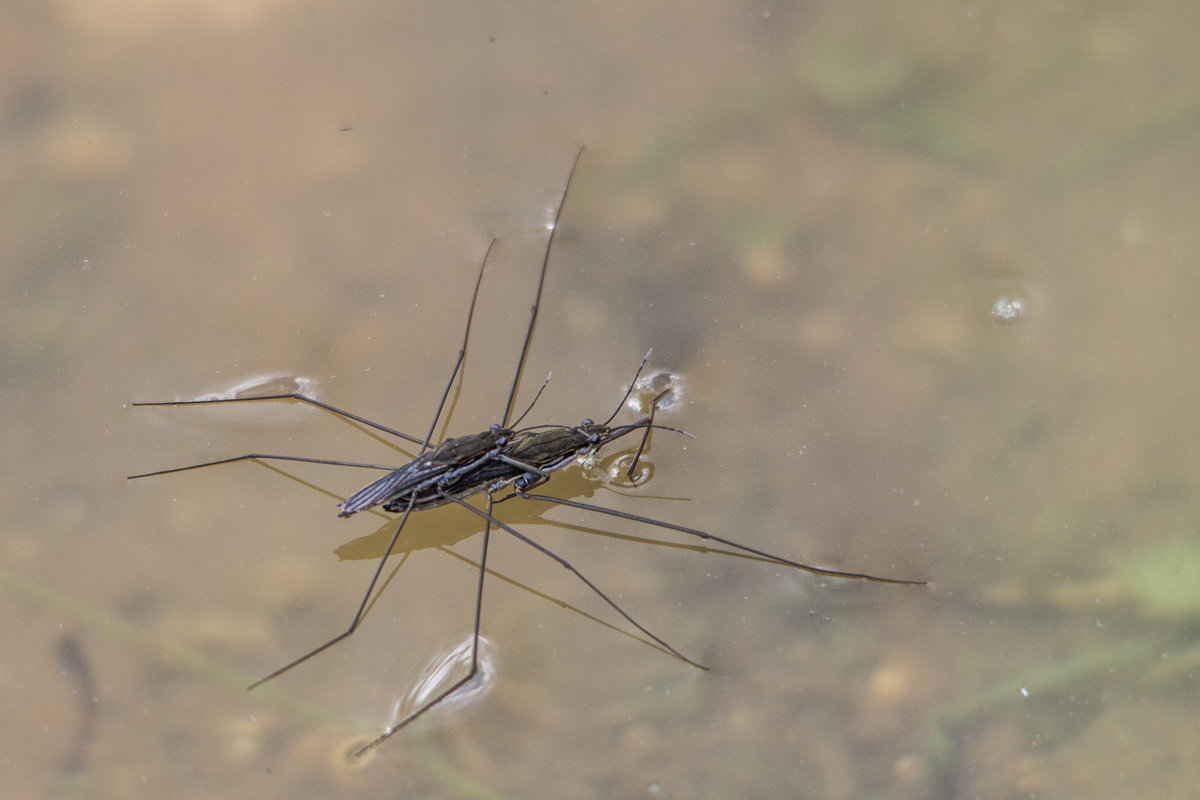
808, 211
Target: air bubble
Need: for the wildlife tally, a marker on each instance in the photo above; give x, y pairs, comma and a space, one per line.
1008, 309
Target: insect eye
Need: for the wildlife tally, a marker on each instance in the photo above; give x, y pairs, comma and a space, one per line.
493, 427
588, 422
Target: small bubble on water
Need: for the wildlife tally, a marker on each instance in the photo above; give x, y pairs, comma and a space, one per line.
1008, 309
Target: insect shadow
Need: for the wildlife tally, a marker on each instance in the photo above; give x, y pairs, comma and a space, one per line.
502, 463
577, 483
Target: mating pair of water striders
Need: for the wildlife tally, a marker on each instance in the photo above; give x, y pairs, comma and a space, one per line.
501, 463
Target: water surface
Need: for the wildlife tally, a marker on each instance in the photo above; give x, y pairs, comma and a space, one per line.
810, 213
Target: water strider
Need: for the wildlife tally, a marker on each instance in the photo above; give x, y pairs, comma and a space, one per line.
501, 457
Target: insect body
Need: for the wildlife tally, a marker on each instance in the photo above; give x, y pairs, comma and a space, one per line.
467, 465
530, 455
424, 482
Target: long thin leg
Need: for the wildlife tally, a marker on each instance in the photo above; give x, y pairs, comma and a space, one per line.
564, 563
537, 298
462, 351
629, 391
358, 614
645, 436
424, 445
833, 573
312, 401
488, 518
261, 457
463, 681
303, 398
